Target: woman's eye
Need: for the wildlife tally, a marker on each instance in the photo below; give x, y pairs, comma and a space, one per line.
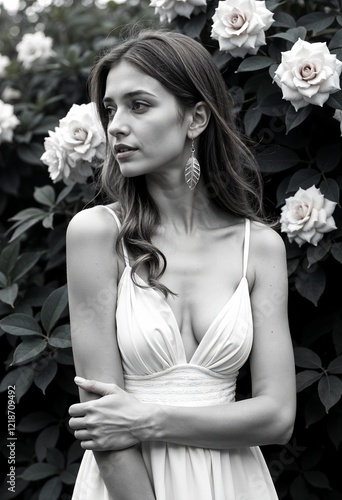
139, 106
110, 112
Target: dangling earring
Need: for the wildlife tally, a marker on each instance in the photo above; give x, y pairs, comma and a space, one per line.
192, 169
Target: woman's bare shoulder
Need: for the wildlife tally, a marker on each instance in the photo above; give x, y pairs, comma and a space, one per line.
93, 223
266, 240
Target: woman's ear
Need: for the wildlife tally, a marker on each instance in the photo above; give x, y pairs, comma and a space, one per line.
200, 118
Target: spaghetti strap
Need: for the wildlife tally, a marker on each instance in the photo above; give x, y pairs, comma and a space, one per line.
246, 246
116, 218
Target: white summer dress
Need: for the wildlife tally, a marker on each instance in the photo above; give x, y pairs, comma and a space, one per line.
156, 370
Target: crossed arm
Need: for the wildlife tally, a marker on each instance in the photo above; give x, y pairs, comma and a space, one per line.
92, 268
117, 420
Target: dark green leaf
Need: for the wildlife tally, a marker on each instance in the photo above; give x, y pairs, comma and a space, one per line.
28, 350
329, 391
31, 154
9, 379
273, 104
336, 332
328, 157
25, 226
45, 195
65, 357
251, 119
64, 193
336, 251
306, 378
299, 489
24, 264
69, 476
24, 381
335, 430
276, 158
53, 307
335, 100
330, 189
294, 118
315, 254
284, 20
292, 34
336, 40
60, 337
43, 377
35, 421
51, 489
75, 452
55, 457
194, 26
221, 59
254, 63
46, 439
8, 257
20, 324
306, 358
316, 21
314, 410
39, 471
303, 178
48, 123
48, 221
317, 479
335, 366
9, 294
3, 280
28, 214
311, 285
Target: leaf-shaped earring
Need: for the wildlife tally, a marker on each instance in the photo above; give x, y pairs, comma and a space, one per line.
192, 169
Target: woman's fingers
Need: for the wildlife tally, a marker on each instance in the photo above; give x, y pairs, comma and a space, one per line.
76, 423
100, 388
78, 410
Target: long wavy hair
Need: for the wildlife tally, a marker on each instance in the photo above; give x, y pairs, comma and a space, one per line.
228, 168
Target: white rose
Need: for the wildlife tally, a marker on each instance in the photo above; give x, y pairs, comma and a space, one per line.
34, 48
169, 9
307, 216
8, 122
75, 146
82, 133
10, 94
4, 62
338, 117
240, 25
308, 74
56, 157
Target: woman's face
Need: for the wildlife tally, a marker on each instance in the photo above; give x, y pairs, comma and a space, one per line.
145, 130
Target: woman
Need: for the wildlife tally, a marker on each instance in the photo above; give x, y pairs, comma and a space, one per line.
172, 289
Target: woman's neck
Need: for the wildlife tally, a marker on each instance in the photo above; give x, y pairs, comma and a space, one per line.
180, 207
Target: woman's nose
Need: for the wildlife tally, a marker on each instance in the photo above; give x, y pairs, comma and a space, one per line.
118, 124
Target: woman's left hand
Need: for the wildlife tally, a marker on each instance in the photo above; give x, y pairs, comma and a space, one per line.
115, 421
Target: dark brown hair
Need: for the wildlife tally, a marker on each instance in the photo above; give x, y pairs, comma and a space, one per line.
228, 167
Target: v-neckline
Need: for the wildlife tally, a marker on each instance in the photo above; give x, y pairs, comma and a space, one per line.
178, 331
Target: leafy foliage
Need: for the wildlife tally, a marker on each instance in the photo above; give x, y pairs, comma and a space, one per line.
294, 149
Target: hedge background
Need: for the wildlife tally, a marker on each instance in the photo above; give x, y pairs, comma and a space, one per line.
294, 150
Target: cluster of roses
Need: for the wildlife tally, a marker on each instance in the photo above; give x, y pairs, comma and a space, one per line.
77, 144
33, 49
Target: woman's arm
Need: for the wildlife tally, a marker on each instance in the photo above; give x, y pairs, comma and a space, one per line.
92, 269
265, 418
268, 416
